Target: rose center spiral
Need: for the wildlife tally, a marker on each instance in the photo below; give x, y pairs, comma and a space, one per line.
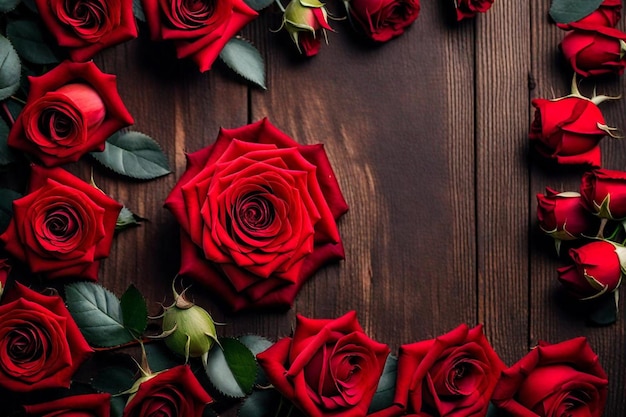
254, 213
24, 345
55, 124
61, 223
193, 14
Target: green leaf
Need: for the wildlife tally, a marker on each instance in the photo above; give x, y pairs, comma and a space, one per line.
138, 10
232, 368
127, 219
386, 389
161, 358
567, 11
30, 42
117, 406
8, 5
257, 344
258, 4
31, 5
492, 411
113, 379
605, 311
10, 69
98, 314
243, 58
6, 207
7, 155
262, 403
134, 155
134, 311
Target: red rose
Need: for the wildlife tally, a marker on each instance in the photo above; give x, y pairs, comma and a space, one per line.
70, 110
604, 193
563, 216
199, 29
596, 270
594, 50
87, 405
171, 393
470, 8
452, 375
62, 226
329, 367
608, 14
568, 130
40, 345
306, 22
258, 215
556, 380
88, 26
382, 20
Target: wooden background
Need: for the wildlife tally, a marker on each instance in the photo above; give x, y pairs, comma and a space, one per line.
428, 138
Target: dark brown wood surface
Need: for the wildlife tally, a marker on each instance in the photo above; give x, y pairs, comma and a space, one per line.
428, 138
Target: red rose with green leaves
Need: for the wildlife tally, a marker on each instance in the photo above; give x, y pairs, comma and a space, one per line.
199, 29
87, 26
62, 227
382, 20
40, 344
258, 215
554, 380
70, 110
86, 405
172, 393
330, 367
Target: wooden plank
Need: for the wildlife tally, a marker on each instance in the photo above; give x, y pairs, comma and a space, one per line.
502, 65
554, 316
394, 121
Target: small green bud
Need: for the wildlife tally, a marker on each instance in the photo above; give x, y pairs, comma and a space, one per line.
188, 329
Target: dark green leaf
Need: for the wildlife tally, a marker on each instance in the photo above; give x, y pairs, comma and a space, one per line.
604, 310
98, 314
7, 155
117, 406
232, 369
113, 379
10, 69
386, 389
138, 10
567, 11
134, 311
492, 411
135, 155
160, 357
31, 5
8, 5
209, 412
30, 43
127, 219
263, 403
6, 207
258, 4
257, 344
243, 58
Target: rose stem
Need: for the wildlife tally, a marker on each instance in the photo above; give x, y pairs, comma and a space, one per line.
8, 113
125, 345
280, 5
602, 225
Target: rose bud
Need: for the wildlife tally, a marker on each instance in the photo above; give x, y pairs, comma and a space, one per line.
188, 329
87, 26
70, 110
470, 8
451, 375
382, 20
199, 29
175, 392
568, 129
86, 405
598, 268
330, 367
604, 193
554, 380
608, 14
306, 22
562, 216
594, 50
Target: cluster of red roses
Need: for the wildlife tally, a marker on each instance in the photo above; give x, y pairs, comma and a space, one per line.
568, 130
330, 367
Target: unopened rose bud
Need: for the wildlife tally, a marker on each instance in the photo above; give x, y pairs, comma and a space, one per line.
306, 21
188, 329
